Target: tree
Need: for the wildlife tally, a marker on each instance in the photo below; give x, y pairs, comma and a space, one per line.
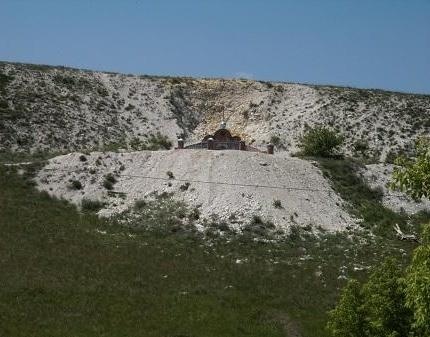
321, 142
347, 319
384, 302
389, 304
418, 286
413, 174
376, 309
413, 177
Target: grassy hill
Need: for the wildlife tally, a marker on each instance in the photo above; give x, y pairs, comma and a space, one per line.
66, 273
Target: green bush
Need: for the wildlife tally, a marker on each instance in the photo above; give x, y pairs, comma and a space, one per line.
320, 142
89, 205
75, 185
361, 146
153, 143
412, 176
158, 142
140, 204
109, 181
185, 186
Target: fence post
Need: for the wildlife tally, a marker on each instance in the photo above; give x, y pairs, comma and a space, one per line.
180, 143
210, 144
270, 148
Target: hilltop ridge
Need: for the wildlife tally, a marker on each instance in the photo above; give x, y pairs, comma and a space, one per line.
62, 109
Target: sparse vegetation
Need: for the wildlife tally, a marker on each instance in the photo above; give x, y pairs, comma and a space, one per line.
60, 91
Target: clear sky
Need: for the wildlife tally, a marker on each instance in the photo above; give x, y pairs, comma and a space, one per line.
362, 43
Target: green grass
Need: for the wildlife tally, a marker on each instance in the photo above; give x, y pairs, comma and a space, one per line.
19, 157
364, 202
69, 274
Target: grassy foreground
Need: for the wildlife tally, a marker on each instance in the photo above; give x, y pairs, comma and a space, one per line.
69, 274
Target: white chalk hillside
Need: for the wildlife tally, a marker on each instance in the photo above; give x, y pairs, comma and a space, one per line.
61, 109
232, 185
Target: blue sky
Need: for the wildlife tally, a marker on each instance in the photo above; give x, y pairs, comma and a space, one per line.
361, 43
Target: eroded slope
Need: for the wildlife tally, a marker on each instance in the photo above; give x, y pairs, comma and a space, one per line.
62, 109
233, 186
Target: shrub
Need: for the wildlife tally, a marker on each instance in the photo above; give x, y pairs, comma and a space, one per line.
89, 205
158, 142
109, 181
110, 177
107, 185
153, 143
4, 81
170, 175
140, 204
129, 107
277, 203
361, 146
75, 185
277, 141
185, 186
256, 220
82, 158
195, 214
320, 142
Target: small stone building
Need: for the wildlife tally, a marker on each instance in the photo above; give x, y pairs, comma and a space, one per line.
222, 139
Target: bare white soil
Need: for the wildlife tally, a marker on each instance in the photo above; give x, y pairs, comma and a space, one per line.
232, 185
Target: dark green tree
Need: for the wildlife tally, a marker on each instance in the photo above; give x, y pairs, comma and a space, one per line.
320, 142
347, 319
417, 283
384, 302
